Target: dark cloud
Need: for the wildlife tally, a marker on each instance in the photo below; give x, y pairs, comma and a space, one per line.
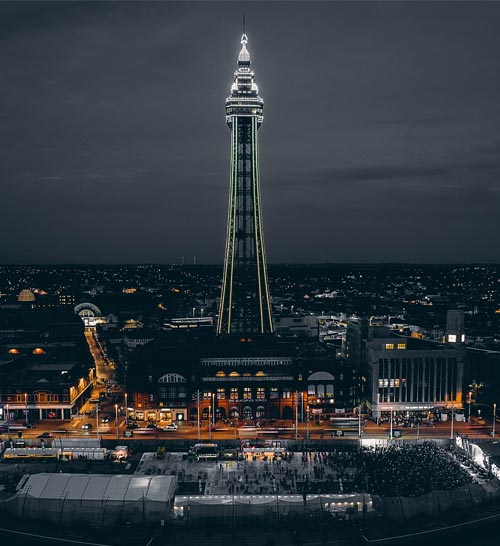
380, 140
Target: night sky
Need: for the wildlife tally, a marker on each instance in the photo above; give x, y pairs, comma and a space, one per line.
380, 139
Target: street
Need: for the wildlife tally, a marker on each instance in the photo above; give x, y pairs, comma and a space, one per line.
103, 415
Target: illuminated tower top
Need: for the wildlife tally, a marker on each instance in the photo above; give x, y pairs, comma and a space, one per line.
244, 99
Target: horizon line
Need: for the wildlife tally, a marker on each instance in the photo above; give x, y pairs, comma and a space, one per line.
213, 264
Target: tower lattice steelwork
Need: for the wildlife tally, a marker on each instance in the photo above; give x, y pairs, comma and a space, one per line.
245, 305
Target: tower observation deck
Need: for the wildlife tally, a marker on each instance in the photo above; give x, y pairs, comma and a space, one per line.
245, 305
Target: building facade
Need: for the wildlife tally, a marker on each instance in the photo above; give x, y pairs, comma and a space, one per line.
406, 374
255, 378
46, 369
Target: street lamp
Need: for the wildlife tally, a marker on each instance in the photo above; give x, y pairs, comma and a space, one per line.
452, 419
307, 422
209, 420
494, 418
126, 410
359, 421
8, 419
116, 420
26, 407
296, 415
97, 420
198, 413
390, 433
469, 399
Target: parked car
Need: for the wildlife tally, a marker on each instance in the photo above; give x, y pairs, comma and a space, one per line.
30, 425
87, 426
171, 426
151, 425
45, 435
105, 419
132, 425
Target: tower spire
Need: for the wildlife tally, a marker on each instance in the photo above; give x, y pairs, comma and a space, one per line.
244, 56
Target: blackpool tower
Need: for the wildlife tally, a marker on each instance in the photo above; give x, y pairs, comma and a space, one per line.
245, 306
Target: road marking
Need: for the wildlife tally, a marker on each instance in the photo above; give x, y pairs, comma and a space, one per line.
54, 539
430, 531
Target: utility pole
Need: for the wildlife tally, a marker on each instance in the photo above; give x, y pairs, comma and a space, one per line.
116, 421
97, 420
126, 410
296, 415
198, 413
359, 421
494, 418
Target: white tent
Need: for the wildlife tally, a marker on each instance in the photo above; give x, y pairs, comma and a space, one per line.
96, 499
233, 509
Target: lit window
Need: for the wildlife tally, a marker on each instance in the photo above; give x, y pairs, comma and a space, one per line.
261, 393
401, 345
452, 338
389, 346
273, 392
247, 393
234, 393
221, 394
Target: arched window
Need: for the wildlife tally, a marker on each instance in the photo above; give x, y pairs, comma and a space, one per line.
321, 376
172, 378
261, 412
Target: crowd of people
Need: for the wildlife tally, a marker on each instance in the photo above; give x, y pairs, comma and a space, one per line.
409, 470
406, 470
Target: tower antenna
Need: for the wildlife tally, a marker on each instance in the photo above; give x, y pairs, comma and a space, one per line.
244, 23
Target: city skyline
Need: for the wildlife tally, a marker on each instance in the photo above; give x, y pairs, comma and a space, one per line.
381, 118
